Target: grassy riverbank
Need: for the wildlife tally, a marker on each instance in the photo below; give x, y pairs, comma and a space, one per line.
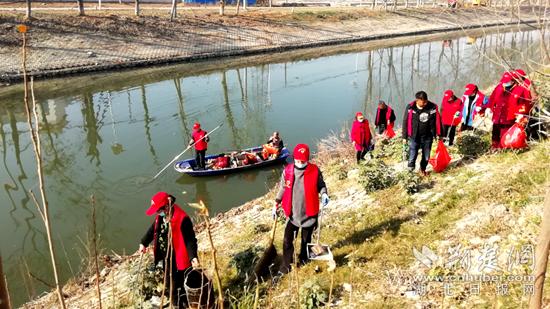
492, 201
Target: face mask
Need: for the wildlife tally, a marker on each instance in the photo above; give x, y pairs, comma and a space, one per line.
508, 85
162, 214
360, 119
300, 165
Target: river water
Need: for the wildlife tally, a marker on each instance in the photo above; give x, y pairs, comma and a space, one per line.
108, 134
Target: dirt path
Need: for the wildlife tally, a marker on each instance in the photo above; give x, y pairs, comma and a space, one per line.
61, 43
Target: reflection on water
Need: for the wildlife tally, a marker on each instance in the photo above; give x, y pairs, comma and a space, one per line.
109, 141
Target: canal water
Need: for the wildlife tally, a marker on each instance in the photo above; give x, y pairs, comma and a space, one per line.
108, 134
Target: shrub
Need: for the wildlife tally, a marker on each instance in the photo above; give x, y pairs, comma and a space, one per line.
473, 144
409, 181
312, 295
375, 175
389, 148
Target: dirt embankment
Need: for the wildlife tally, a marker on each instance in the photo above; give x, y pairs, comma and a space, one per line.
62, 43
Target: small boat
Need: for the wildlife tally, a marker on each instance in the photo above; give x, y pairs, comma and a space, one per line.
189, 166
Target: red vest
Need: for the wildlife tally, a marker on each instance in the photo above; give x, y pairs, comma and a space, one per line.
311, 176
197, 135
507, 104
182, 258
448, 111
360, 134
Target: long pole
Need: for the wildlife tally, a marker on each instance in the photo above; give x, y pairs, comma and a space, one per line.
188, 147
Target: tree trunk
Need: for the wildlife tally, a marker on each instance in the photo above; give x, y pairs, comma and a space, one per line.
4, 296
222, 7
541, 255
244, 4
80, 7
99, 4
238, 6
173, 12
136, 8
29, 9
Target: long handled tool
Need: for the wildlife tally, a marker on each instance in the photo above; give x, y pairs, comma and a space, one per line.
456, 115
188, 147
317, 251
269, 255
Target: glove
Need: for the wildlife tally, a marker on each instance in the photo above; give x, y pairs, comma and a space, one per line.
274, 211
478, 109
324, 199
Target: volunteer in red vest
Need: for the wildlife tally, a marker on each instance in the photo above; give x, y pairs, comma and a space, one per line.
298, 195
508, 104
170, 217
384, 117
201, 145
451, 108
421, 124
361, 136
474, 102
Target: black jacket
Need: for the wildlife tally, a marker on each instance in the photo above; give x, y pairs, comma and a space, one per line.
381, 120
411, 120
188, 237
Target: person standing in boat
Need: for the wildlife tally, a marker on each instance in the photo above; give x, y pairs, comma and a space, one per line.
385, 117
169, 217
201, 145
273, 147
299, 189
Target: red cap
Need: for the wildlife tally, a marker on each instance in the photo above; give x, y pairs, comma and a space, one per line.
448, 95
521, 73
359, 114
157, 201
301, 152
469, 89
196, 126
508, 77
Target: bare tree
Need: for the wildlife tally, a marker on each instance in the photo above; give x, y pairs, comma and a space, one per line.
80, 7
136, 7
173, 11
222, 7
35, 138
4, 296
28, 16
541, 257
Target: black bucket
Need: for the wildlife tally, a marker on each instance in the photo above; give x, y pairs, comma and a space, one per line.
198, 289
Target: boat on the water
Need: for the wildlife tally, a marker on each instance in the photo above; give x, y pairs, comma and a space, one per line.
189, 166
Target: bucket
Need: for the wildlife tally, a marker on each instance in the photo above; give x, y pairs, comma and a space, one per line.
198, 289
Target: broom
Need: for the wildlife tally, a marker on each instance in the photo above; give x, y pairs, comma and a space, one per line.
262, 267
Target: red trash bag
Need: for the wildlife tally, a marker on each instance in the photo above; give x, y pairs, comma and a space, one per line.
441, 159
514, 138
389, 133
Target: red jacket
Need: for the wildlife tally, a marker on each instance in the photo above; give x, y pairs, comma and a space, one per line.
202, 144
311, 175
448, 111
182, 257
360, 134
506, 104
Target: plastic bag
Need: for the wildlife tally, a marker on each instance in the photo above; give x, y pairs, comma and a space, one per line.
515, 138
441, 158
389, 133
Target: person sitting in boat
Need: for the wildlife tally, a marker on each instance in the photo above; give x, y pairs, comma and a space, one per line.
273, 148
221, 162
